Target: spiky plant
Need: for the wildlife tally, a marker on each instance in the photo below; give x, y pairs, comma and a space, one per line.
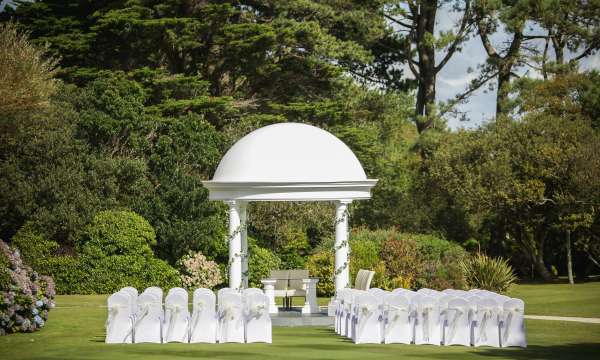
26, 72
484, 272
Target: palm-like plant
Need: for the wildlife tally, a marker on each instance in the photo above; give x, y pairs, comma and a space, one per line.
484, 272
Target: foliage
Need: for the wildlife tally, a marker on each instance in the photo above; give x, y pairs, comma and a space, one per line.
365, 253
25, 297
26, 74
32, 245
493, 274
50, 179
114, 252
402, 262
71, 276
117, 233
518, 182
320, 265
198, 272
260, 264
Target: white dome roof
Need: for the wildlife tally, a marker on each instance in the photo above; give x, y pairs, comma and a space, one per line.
289, 152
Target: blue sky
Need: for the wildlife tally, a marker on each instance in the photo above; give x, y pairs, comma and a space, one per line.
454, 78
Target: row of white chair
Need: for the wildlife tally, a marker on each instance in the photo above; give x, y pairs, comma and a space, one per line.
449, 317
240, 316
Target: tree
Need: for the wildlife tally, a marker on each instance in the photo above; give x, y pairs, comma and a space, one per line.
415, 38
572, 26
518, 180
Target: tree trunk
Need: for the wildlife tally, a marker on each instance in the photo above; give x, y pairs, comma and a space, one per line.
569, 259
540, 264
503, 90
426, 64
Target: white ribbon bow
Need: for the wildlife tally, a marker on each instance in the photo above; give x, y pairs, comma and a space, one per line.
395, 311
511, 312
452, 323
487, 314
425, 313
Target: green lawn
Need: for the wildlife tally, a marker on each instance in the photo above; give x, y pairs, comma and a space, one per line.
560, 299
75, 330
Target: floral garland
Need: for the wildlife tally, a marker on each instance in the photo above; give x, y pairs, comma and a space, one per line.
345, 243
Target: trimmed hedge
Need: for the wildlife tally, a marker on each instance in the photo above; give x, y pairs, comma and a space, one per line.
114, 252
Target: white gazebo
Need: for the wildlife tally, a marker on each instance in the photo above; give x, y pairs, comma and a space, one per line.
288, 162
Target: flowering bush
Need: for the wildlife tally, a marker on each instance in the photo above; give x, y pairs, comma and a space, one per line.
199, 272
25, 297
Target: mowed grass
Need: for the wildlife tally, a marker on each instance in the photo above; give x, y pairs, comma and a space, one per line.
579, 300
75, 330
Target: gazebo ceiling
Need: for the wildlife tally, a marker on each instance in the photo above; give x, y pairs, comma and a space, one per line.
289, 161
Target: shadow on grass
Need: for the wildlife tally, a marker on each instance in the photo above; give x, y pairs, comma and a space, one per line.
565, 351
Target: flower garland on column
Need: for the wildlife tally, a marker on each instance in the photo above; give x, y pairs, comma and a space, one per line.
345, 214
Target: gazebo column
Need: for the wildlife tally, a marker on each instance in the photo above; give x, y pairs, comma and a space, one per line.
342, 261
235, 245
243, 220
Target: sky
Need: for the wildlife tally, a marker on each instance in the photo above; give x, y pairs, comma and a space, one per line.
454, 77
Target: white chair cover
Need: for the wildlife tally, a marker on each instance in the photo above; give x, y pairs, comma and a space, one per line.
427, 324
513, 324
177, 317
177, 290
346, 312
203, 327
378, 293
148, 319
133, 294
339, 309
224, 291
368, 320
398, 327
231, 318
487, 324
458, 329
352, 318
156, 291
258, 320
251, 291
120, 319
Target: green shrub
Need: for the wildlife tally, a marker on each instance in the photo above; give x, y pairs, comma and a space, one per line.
111, 273
493, 274
441, 263
320, 265
260, 264
365, 254
87, 275
70, 275
117, 232
402, 262
32, 245
294, 247
407, 260
114, 253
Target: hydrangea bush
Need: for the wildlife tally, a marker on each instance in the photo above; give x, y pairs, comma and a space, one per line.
25, 297
199, 272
